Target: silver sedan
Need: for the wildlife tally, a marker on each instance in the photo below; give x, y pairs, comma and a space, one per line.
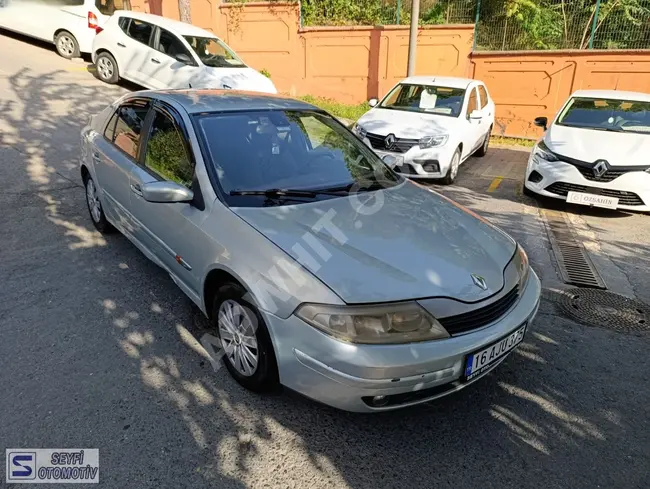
319, 268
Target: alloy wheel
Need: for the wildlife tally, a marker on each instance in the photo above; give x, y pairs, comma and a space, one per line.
238, 338
65, 45
94, 205
105, 68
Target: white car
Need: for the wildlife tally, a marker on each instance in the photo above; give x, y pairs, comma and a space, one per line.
69, 24
595, 152
427, 126
159, 53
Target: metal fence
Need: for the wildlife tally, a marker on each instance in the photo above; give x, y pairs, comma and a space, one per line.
505, 25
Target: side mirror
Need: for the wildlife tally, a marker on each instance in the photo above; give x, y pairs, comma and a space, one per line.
475, 115
373, 102
166, 192
184, 58
541, 122
390, 160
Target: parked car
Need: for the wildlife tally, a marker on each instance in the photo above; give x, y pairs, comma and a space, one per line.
429, 125
319, 267
595, 152
157, 53
69, 24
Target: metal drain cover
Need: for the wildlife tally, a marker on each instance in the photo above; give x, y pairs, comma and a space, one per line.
606, 309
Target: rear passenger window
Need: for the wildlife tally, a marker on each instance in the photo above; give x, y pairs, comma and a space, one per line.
484, 96
140, 31
128, 129
109, 132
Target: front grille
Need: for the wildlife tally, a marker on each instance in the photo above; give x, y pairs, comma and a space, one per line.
586, 169
482, 316
608, 176
624, 198
399, 146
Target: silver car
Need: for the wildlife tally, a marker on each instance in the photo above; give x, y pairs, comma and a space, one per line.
320, 268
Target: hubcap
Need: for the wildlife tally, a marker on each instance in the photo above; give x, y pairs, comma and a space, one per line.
454, 165
66, 45
238, 337
105, 68
93, 201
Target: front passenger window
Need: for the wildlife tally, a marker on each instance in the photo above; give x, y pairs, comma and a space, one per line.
166, 153
472, 104
171, 45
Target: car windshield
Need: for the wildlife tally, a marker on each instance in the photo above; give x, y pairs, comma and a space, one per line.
214, 53
108, 7
423, 98
607, 115
301, 151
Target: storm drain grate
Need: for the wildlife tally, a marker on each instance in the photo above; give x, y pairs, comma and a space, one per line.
606, 310
575, 265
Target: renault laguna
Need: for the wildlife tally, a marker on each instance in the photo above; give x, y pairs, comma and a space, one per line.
319, 267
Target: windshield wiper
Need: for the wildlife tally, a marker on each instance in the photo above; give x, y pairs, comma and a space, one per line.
290, 192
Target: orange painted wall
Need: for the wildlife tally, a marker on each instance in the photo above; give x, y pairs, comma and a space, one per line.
352, 64
525, 85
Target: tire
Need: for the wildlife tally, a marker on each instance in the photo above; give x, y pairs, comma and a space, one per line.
484, 147
95, 210
244, 336
106, 68
66, 45
528, 192
452, 173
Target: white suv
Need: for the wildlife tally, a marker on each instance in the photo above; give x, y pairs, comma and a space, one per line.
69, 24
427, 126
159, 53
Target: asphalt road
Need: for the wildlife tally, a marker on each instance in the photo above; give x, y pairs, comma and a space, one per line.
98, 345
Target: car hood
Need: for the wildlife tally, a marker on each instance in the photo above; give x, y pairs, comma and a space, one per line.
246, 79
405, 124
418, 245
589, 145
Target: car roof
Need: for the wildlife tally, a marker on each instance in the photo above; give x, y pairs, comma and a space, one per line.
180, 28
613, 94
197, 101
438, 81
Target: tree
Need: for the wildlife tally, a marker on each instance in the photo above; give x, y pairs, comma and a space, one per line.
185, 11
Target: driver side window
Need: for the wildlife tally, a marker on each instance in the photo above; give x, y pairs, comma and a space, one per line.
166, 153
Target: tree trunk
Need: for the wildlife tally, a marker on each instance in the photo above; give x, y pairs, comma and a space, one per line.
185, 11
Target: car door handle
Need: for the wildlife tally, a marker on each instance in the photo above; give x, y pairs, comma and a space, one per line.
96, 156
121, 45
135, 188
155, 60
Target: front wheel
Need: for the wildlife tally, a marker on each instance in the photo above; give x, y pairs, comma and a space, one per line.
95, 207
247, 348
66, 45
484, 147
453, 169
528, 192
106, 68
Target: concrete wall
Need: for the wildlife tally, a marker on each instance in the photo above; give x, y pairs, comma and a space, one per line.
525, 85
352, 64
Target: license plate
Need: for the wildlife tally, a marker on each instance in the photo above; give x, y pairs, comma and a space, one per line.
481, 361
592, 200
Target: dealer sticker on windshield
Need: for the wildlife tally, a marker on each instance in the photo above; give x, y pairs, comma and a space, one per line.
481, 361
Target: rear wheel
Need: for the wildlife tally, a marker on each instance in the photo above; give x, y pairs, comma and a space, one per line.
66, 45
453, 169
247, 348
106, 68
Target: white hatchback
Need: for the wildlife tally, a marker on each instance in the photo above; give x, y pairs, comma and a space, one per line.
159, 53
427, 126
595, 152
69, 24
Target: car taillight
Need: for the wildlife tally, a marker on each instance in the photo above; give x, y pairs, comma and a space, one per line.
92, 21
98, 29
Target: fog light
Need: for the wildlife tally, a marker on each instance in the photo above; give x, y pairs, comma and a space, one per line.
379, 401
535, 177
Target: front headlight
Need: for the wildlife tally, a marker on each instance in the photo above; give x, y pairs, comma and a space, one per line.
359, 131
377, 324
523, 267
541, 151
433, 141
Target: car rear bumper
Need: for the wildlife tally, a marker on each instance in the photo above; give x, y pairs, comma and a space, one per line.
557, 178
347, 376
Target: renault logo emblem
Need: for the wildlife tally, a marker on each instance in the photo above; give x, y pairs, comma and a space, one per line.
389, 141
479, 281
600, 168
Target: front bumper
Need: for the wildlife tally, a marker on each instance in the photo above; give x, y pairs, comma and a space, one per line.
343, 374
559, 176
420, 163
